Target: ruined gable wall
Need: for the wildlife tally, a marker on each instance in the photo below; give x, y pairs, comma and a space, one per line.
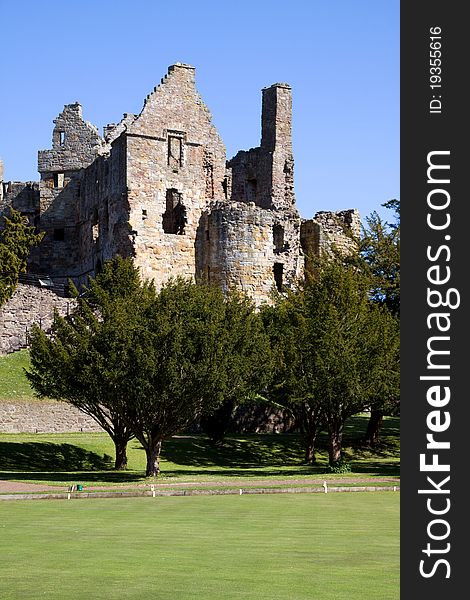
172, 145
75, 145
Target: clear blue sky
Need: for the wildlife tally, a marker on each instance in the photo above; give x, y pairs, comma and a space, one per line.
341, 58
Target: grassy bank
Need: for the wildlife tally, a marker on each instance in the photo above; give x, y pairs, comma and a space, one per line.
13, 382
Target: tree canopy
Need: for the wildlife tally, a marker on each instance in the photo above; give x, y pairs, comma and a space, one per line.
338, 350
379, 247
154, 361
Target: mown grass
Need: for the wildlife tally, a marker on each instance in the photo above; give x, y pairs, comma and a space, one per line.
61, 459
326, 546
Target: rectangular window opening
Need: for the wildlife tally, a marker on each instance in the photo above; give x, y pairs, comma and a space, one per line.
58, 180
251, 190
175, 217
278, 238
59, 234
278, 270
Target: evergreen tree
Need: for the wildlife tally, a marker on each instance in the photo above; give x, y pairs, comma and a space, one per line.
248, 363
380, 251
78, 363
152, 363
16, 240
338, 350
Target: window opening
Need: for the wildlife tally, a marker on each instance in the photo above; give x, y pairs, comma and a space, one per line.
59, 234
174, 218
251, 189
278, 238
175, 152
58, 180
278, 273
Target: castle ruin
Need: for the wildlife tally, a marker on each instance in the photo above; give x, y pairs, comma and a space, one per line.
157, 187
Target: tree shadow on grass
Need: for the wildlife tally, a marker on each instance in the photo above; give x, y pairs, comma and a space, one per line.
46, 456
378, 469
251, 451
45, 461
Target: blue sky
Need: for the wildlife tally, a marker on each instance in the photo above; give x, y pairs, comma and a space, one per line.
341, 58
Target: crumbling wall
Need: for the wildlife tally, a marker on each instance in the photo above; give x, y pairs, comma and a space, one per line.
29, 304
75, 145
327, 230
265, 175
236, 249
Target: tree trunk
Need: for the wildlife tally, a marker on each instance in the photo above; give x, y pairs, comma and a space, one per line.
310, 443
311, 420
120, 446
373, 428
216, 425
335, 439
152, 450
310, 457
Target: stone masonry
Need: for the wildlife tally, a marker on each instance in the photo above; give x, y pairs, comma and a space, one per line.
157, 187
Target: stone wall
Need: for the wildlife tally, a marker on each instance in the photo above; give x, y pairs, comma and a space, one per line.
146, 189
43, 416
29, 304
175, 162
327, 230
236, 249
49, 416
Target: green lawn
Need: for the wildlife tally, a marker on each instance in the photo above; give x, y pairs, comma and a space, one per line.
86, 457
322, 546
13, 382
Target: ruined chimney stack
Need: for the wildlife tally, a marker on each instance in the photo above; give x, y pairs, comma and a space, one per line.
276, 117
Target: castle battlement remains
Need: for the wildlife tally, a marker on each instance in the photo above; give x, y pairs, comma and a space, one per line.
157, 187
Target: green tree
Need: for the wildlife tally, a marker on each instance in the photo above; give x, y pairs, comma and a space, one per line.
379, 249
16, 240
354, 346
77, 364
292, 384
339, 350
248, 363
179, 369
156, 361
